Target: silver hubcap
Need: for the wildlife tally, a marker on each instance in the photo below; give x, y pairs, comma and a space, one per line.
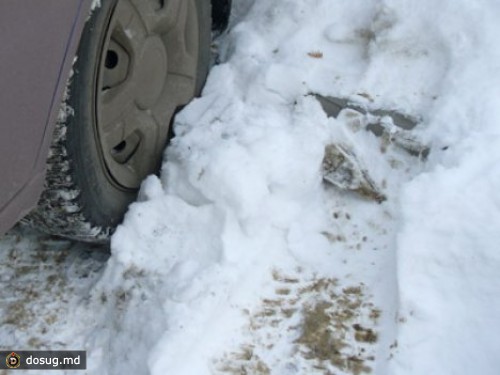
148, 69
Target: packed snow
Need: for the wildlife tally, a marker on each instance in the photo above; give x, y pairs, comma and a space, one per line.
240, 258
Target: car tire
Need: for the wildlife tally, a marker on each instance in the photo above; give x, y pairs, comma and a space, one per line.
138, 62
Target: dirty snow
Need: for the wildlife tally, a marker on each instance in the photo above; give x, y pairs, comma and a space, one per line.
44, 279
240, 259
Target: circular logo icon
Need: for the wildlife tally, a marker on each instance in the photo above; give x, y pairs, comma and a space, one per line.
13, 360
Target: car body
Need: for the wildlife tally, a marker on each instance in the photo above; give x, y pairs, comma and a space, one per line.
38, 44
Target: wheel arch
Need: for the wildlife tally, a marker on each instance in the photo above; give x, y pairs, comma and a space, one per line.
221, 10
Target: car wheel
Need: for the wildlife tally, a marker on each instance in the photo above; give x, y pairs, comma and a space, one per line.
138, 62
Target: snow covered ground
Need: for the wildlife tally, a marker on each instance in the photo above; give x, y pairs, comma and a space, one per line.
240, 259
44, 281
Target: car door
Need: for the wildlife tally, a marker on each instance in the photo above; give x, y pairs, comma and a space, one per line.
36, 40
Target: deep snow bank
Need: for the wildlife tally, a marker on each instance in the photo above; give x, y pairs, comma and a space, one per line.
240, 259
448, 247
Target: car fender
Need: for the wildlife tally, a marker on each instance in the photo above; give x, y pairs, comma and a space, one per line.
38, 42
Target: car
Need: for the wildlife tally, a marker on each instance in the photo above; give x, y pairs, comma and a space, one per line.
89, 90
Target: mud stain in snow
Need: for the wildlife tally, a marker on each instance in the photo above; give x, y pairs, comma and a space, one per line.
313, 326
44, 279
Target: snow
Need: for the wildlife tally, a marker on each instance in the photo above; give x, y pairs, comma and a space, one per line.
95, 4
241, 259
